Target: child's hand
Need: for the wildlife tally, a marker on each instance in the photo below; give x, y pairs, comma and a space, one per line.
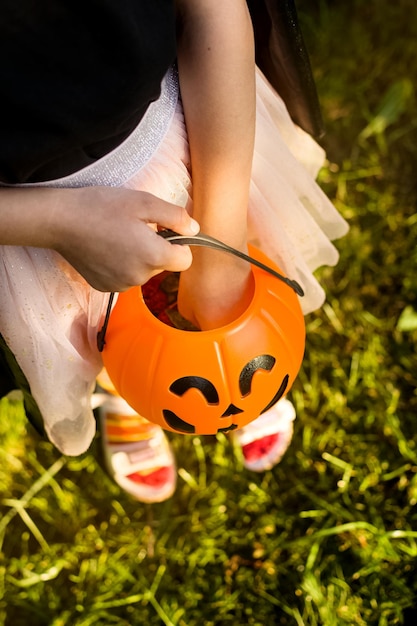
108, 235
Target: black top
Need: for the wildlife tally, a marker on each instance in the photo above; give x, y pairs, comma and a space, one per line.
76, 77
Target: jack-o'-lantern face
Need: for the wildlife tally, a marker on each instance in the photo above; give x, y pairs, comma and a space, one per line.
210, 381
181, 386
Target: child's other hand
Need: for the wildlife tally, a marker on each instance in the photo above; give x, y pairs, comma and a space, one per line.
108, 235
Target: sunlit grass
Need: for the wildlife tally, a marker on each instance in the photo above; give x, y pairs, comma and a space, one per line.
329, 537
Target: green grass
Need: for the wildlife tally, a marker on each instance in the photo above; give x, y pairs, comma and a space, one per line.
329, 537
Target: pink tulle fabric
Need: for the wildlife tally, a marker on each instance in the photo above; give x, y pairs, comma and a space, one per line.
50, 316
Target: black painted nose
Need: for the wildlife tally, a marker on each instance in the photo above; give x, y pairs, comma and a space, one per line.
232, 410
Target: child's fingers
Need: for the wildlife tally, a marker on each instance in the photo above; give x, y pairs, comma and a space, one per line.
180, 258
168, 215
163, 255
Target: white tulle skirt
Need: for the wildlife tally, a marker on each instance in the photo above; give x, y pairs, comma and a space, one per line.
49, 316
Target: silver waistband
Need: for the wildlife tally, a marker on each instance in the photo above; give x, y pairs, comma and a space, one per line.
133, 154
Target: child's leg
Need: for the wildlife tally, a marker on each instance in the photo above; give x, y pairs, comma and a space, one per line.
265, 440
137, 454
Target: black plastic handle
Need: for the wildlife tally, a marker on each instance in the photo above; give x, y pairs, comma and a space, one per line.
209, 242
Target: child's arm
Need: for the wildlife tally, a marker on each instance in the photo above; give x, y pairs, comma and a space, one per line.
217, 79
104, 232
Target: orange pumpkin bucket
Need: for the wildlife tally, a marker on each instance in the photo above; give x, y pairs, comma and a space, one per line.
212, 381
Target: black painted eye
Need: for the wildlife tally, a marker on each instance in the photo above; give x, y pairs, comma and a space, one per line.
278, 394
181, 385
263, 362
